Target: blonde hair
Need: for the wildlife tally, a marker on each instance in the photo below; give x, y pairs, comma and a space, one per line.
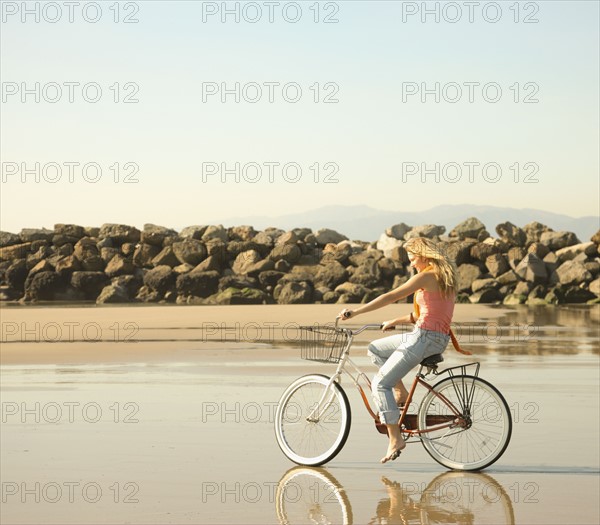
443, 267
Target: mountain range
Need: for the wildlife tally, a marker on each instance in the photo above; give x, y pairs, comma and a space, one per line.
367, 224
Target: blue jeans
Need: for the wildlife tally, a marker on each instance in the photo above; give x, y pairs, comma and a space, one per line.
395, 356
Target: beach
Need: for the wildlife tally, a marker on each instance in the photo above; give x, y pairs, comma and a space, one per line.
164, 414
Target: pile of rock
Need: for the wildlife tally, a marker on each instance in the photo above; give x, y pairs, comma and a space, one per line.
215, 265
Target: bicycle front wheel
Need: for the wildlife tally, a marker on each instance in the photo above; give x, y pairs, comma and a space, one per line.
475, 439
312, 421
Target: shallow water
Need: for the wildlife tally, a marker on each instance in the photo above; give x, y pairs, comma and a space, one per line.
187, 436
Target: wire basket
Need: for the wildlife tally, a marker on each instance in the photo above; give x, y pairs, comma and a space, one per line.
322, 343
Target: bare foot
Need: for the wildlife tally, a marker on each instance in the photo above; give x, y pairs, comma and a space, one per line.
394, 449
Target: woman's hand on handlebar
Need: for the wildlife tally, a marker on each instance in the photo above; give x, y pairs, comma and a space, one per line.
388, 325
345, 314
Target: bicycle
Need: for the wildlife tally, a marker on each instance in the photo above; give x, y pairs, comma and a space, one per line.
463, 421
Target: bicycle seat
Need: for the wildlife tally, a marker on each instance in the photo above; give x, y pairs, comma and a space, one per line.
432, 360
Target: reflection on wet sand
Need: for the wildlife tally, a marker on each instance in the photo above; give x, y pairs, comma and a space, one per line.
314, 495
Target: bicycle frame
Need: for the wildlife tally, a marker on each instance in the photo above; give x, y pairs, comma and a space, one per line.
456, 419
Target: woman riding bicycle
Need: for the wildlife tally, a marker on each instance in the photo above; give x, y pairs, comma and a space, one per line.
435, 287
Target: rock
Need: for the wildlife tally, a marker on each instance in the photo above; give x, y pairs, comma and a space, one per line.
215, 232
358, 259
211, 263
288, 252
265, 239
534, 231
36, 234
128, 249
183, 268
217, 248
15, 251
67, 234
192, 232
16, 274
119, 265
458, 252
270, 278
496, 264
156, 235
89, 283
43, 286
120, 233
112, 294
535, 301
482, 284
398, 231
595, 287
293, 293
264, 265
148, 295
325, 236
523, 288
570, 252
399, 255
244, 261
481, 251
160, 279
8, 239
425, 230
244, 296
466, 274
107, 254
367, 274
198, 284
331, 275
515, 255
539, 249
166, 257
532, 269
301, 233
578, 295
42, 266
595, 238
143, 255
237, 281
387, 244
513, 299
241, 233
485, 296
350, 292
557, 240
234, 248
468, 229
85, 248
287, 238
283, 266
65, 266
511, 234
537, 292
593, 267
190, 251
572, 272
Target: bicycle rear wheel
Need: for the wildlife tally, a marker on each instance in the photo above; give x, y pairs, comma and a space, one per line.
476, 439
309, 434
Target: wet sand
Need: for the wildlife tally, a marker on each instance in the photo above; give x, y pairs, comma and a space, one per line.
163, 414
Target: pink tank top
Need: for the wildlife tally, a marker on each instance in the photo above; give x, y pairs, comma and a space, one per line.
435, 311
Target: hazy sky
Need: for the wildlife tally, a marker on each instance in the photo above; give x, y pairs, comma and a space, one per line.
517, 89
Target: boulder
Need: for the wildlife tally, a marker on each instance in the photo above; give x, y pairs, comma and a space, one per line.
467, 273
387, 244
237, 281
514, 299
557, 240
425, 230
287, 238
596, 237
264, 265
43, 286
192, 232
143, 255
481, 251
595, 287
85, 248
331, 275
515, 255
210, 263
15, 251
8, 239
65, 266
482, 284
166, 257
112, 294
288, 252
496, 264
241, 233
367, 274
325, 236
578, 295
570, 252
532, 269
293, 293
198, 284
160, 279
459, 251
471, 228
508, 278
485, 296
572, 273
119, 233
190, 251
107, 253
155, 235
511, 234
270, 278
351, 292
16, 274
398, 231
534, 231
240, 296
539, 249
215, 232
43, 266
244, 261
89, 283
36, 234
119, 265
